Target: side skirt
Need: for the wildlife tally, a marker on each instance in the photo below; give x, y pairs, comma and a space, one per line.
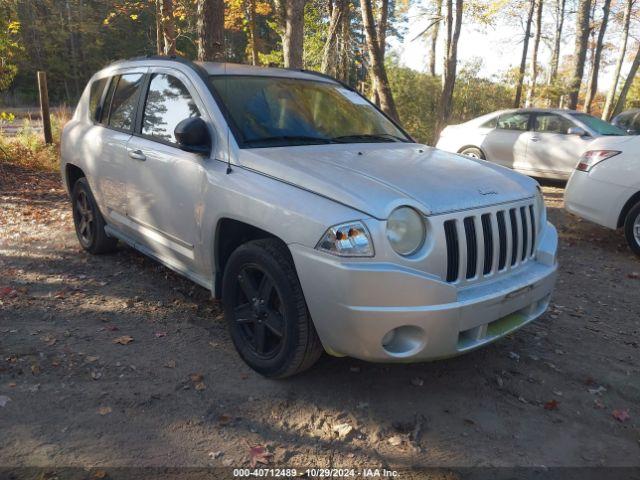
167, 262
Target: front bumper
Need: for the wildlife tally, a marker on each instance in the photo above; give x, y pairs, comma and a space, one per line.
354, 305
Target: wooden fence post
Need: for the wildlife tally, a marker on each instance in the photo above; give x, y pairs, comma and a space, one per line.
44, 106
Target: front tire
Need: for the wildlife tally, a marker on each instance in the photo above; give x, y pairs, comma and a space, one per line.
265, 310
632, 229
472, 152
88, 220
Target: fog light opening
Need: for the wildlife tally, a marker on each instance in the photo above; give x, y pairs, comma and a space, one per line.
404, 341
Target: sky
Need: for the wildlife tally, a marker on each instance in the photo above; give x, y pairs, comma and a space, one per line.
499, 47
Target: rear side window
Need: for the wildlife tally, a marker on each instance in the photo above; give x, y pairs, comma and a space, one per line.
95, 97
493, 123
125, 100
168, 103
514, 121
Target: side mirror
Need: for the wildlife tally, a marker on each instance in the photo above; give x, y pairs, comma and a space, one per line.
579, 131
193, 135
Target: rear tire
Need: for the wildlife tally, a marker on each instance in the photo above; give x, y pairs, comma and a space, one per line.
265, 310
472, 152
88, 220
632, 229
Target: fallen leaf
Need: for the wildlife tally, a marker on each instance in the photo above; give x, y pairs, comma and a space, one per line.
8, 292
395, 440
104, 410
96, 375
35, 369
49, 340
634, 275
196, 377
597, 403
99, 474
112, 328
215, 455
91, 359
200, 386
224, 419
3, 400
417, 382
170, 364
161, 334
258, 454
597, 391
621, 415
123, 340
343, 430
551, 405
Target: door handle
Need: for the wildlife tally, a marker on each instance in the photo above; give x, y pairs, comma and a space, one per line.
535, 139
137, 155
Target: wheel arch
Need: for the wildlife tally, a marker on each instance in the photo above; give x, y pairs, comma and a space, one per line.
229, 235
635, 198
461, 149
72, 173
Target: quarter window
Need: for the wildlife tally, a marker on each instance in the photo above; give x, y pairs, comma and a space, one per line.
514, 121
552, 123
125, 100
95, 96
168, 103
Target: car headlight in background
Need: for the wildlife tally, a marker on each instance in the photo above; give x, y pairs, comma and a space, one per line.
406, 231
591, 158
347, 240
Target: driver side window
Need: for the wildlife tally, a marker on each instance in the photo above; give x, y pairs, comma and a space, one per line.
168, 103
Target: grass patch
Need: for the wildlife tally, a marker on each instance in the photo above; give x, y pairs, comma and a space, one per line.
27, 148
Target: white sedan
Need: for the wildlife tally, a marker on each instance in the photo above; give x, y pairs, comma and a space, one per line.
605, 186
544, 143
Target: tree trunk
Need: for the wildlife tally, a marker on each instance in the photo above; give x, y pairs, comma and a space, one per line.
293, 37
383, 21
331, 52
255, 58
453, 27
622, 98
534, 55
557, 40
159, 29
592, 87
523, 60
435, 32
168, 27
611, 94
376, 61
580, 52
210, 30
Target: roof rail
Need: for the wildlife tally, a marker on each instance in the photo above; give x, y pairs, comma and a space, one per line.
202, 73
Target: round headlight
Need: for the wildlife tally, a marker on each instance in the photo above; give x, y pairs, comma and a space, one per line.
405, 230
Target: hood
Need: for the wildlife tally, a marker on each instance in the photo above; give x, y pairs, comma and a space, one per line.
376, 178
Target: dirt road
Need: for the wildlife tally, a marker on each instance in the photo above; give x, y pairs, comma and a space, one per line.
114, 361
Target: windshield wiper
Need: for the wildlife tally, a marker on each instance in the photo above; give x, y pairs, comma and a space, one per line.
302, 139
369, 137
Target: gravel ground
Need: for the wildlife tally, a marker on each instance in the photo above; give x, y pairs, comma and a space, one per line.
115, 361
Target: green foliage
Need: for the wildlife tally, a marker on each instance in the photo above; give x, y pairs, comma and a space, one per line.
417, 95
9, 46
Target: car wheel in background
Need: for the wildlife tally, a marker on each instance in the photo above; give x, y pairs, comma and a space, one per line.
88, 220
632, 229
472, 152
266, 312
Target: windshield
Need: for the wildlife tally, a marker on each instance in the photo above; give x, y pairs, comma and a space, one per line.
275, 111
597, 125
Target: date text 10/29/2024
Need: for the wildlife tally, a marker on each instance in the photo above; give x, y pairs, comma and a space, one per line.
316, 472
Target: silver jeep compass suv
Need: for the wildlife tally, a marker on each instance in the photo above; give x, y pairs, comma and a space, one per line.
319, 222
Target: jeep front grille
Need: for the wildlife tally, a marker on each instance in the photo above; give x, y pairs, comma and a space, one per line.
483, 244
